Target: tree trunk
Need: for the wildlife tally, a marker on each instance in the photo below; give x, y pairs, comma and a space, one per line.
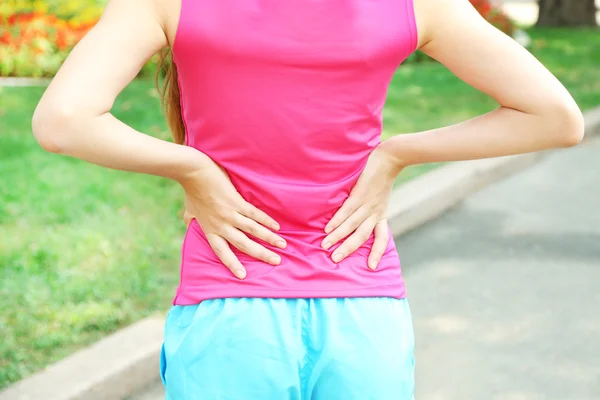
567, 13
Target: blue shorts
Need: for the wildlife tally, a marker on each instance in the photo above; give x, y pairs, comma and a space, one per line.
289, 349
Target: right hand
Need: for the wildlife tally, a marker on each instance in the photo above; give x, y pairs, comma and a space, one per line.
226, 218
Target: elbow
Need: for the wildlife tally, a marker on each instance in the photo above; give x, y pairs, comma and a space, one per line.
50, 125
567, 124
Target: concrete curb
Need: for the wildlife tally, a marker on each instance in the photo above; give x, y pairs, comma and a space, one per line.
116, 366
23, 82
127, 361
592, 122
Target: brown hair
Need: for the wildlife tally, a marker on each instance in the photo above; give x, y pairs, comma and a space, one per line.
169, 92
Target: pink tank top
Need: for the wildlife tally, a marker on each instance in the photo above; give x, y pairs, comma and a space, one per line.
287, 96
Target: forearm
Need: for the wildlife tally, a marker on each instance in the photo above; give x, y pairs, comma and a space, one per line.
499, 133
106, 141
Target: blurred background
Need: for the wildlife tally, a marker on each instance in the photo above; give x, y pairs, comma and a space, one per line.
85, 251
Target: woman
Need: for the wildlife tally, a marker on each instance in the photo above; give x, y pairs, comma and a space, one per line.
290, 282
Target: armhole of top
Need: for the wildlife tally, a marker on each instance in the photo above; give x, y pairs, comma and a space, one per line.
174, 46
412, 22
186, 138
179, 26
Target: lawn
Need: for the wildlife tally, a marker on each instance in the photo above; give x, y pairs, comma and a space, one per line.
85, 250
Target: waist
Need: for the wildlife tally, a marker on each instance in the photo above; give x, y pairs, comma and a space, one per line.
306, 270
301, 207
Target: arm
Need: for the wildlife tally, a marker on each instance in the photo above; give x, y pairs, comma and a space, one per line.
73, 118
536, 112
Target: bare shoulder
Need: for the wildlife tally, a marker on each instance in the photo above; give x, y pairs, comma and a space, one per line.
146, 17
436, 17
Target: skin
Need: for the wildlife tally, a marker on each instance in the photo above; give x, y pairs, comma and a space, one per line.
535, 113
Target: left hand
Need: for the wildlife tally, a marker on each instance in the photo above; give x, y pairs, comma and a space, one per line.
365, 209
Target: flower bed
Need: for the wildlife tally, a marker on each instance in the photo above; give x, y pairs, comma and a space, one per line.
35, 44
36, 36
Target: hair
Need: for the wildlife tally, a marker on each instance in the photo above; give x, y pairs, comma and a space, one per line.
170, 96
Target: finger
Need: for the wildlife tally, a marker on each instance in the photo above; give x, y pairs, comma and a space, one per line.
255, 229
246, 245
346, 228
227, 257
379, 244
354, 241
349, 207
250, 211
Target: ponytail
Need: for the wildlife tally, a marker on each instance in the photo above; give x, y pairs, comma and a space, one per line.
170, 96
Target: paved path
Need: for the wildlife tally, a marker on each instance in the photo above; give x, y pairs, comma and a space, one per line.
505, 289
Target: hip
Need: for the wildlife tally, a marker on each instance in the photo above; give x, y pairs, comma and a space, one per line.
239, 348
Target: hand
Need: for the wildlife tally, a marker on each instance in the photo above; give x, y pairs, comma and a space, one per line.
365, 210
225, 217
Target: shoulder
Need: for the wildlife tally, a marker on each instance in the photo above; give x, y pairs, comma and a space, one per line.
148, 15
436, 17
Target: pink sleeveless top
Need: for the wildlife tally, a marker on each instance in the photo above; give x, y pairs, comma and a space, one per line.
287, 96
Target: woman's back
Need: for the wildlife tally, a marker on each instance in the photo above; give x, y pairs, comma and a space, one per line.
287, 97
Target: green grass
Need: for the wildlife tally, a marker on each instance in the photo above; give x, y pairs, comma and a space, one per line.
85, 250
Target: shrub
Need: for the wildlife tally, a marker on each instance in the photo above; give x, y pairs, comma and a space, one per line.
37, 35
35, 43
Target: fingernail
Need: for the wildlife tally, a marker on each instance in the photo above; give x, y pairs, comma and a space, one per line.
337, 257
372, 265
274, 259
276, 227
327, 229
240, 273
326, 245
280, 244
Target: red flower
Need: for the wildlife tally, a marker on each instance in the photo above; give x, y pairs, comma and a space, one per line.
61, 40
5, 38
483, 6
